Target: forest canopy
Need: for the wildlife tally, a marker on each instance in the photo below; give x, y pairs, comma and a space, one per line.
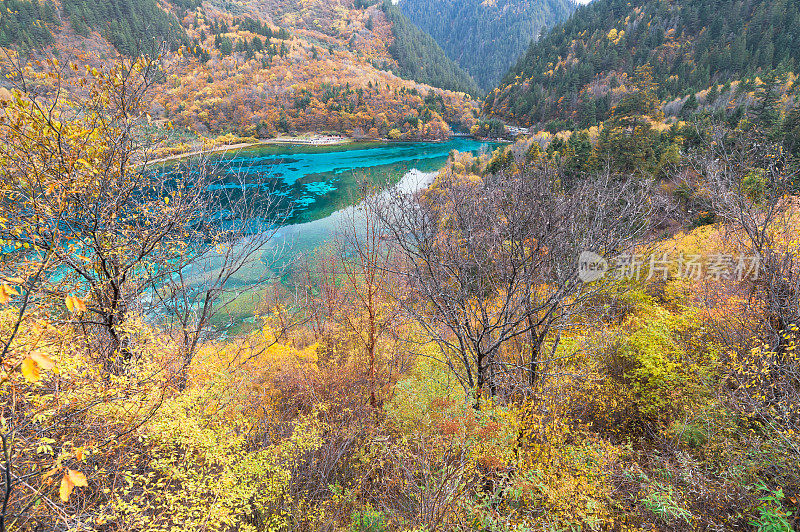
420, 58
689, 45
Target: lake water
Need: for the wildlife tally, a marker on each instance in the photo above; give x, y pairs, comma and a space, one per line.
316, 183
319, 185
318, 180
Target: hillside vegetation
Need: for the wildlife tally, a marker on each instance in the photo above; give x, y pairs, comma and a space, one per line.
25, 23
421, 59
486, 38
574, 72
590, 330
267, 68
133, 27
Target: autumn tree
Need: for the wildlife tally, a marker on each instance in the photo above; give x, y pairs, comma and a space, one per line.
99, 237
79, 190
72, 192
350, 285
750, 182
494, 260
367, 265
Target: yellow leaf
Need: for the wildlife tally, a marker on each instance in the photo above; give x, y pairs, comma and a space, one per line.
30, 370
6, 291
43, 361
75, 304
66, 487
77, 478
50, 473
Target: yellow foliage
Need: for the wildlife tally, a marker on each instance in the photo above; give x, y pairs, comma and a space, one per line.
75, 304
615, 36
6, 291
217, 481
30, 370
70, 481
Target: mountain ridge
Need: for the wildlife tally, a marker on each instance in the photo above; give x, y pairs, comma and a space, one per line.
485, 37
572, 73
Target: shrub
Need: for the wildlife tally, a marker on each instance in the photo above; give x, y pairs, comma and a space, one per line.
662, 502
368, 520
771, 515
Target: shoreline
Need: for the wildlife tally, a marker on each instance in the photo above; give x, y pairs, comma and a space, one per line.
315, 140
318, 140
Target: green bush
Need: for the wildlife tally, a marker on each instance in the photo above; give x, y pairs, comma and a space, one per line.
368, 520
662, 502
771, 515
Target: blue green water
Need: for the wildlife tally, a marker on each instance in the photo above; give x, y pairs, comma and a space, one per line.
320, 188
317, 180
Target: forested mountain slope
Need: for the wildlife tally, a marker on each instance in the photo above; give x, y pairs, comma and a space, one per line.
132, 26
25, 23
420, 58
573, 72
263, 67
486, 37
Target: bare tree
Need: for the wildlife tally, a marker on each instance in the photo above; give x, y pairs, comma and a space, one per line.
366, 262
233, 258
752, 186
353, 278
88, 217
497, 260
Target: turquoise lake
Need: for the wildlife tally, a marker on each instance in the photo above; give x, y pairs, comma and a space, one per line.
319, 186
318, 180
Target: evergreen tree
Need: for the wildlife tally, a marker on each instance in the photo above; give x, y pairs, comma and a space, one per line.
26, 23
690, 106
768, 94
421, 59
627, 142
225, 46
791, 134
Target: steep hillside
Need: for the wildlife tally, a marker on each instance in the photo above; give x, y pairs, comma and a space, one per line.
574, 72
486, 37
420, 58
132, 26
25, 23
264, 67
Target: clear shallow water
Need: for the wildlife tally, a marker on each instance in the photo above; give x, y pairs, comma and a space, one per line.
317, 180
320, 186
